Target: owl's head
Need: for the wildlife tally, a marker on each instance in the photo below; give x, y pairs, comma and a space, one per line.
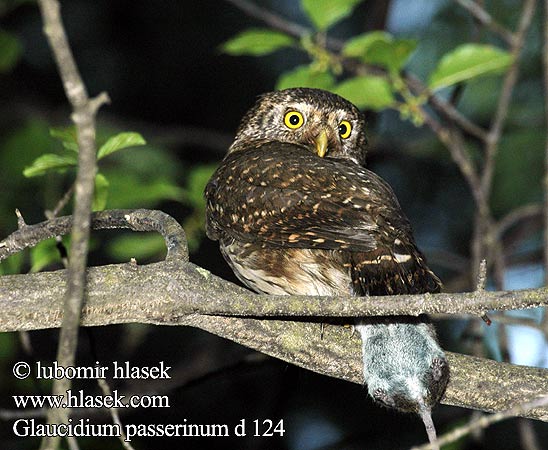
324, 123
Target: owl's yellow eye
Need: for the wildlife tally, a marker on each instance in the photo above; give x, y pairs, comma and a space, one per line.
293, 120
345, 128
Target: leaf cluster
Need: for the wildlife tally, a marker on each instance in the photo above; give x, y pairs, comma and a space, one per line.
382, 55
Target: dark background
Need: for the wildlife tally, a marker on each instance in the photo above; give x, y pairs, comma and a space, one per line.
161, 65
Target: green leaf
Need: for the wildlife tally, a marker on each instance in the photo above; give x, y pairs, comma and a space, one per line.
195, 185
518, 170
10, 51
44, 254
469, 61
325, 13
33, 138
67, 136
305, 76
380, 48
47, 162
100, 195
371, 92
256, 42
9, 346
13, 264
119, 142
136, 245
128, 190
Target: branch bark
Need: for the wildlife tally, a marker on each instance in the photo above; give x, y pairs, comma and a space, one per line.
174, 293
83, 116
181, 284
177, 292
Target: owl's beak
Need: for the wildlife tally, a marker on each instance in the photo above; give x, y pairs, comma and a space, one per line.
321, 143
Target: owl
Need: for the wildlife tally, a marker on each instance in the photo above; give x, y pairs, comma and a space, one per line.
295, 211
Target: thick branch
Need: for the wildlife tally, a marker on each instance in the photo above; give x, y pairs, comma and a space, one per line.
175, 292
170, 293
132, 219
183, 284
30, 301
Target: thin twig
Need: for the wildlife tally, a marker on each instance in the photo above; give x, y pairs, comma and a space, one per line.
482, 239
50, 214
453, 115
114, 414
84, 111
480, 286
482, 276
20, 220
457, 149
528, 437
298, 31
270, 18
509, 82
486, 421
516, 216
485, 19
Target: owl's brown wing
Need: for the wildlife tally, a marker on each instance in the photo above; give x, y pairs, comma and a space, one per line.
282, 195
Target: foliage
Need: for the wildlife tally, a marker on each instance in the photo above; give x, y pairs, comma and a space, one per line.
256, 42
140, 176
380, 48
153, 76
467, 62
10, 51
368, 91
325, 13
376, 48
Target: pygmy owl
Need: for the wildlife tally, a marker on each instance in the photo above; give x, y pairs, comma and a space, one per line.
296, 212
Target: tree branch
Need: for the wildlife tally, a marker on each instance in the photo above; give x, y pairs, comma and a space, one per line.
298, 31
132, 219
509, 82
483, 241
485, 19
180, 283
176, 292
170, 293
486, 421
271, 19
83, 116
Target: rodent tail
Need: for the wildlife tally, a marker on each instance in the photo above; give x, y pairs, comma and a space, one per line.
426, 416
